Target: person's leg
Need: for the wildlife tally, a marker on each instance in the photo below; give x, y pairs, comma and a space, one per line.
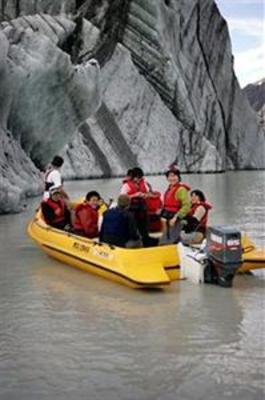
191, 238
133, 244
142, 226
171, 235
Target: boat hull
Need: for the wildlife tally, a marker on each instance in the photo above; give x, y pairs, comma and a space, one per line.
253, 257
136, 268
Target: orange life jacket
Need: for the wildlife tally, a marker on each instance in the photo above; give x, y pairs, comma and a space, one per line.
58, 208
170, 202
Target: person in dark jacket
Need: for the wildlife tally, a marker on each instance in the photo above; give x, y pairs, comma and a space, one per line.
54, 210
119, 227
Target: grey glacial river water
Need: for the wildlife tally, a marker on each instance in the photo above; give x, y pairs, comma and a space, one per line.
66, 334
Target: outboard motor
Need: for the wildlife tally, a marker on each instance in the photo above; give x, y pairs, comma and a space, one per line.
224, 255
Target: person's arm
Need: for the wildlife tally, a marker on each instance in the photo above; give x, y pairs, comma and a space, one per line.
182, 194
125, 189
199, 213
149, 189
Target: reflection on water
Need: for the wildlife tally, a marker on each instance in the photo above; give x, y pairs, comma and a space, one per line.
65, 334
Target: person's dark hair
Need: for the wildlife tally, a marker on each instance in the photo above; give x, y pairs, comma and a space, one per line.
91, 194
57, 161
137, 173
173, 169
200, 194
55, 191
129, 173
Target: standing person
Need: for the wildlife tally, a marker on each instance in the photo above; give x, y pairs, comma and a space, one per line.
53, 178
55, 211
197, 219
118, 226
176, 206
128, 176
85, 218
138, 190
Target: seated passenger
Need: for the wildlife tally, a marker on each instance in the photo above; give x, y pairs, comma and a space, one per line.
85, 218
176, 206
194, 230
54, 210
119, 227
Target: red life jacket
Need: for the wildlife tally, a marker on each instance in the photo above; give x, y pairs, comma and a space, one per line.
203, 222
135, 187
58, 208
170, 202
93, 215
154, 203
138, 204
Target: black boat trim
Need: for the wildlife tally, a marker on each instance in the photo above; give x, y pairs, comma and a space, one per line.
253, 261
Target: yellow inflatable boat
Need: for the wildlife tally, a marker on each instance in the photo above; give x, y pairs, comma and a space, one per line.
136, 268
253, 257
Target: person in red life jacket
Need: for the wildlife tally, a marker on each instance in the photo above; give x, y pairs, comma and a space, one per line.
139, 191
85, 219
196, 221
55, 211
53, 178
176, 206
128, 176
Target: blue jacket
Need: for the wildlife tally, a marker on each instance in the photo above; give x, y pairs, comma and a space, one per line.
118, 227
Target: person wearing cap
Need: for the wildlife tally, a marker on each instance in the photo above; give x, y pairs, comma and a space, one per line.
176, 206
53, 178
194, 231
55, 211
119, 227
85, 218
